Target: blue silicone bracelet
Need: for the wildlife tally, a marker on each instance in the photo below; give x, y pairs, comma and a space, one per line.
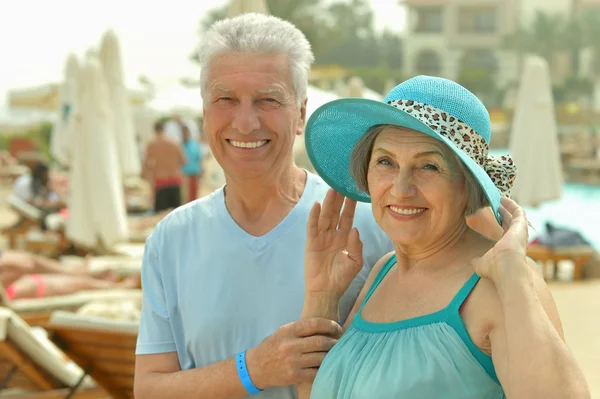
240, 362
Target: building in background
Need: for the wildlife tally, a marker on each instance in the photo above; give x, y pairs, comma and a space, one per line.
463, 40
455, 38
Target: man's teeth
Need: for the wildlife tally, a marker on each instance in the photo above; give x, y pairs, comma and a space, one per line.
410, 211
248, 144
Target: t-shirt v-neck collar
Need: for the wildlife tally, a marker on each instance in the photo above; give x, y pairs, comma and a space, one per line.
260, 243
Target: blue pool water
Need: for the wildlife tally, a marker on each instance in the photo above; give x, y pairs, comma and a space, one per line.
578, 209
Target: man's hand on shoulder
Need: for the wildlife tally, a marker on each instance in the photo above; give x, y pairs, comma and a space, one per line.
293, 354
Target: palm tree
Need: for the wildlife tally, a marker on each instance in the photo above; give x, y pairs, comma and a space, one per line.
305, 14
590, 27
547, 36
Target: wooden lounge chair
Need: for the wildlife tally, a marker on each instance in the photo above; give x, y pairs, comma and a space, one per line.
9, 173
545, 256
103, 347
26, 231
28, 217
31, 367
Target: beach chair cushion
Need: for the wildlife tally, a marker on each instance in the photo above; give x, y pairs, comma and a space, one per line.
36, 345
24, 208
132, 250
122, 265
73, 301
122, 309
70, 319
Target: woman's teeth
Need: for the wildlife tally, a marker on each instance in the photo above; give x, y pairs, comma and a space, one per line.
407, 211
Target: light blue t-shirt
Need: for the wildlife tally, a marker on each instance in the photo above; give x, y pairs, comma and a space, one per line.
212, 290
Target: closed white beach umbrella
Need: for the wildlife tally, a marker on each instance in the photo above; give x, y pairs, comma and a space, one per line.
124, 128
534, 138
96, 204
61, 141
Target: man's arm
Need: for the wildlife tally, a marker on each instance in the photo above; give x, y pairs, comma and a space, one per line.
290, 356
158, 372
160, 376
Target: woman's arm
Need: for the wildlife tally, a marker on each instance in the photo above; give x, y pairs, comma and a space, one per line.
528, 348
327, 307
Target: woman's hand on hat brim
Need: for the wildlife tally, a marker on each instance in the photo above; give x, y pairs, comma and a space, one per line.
508, 255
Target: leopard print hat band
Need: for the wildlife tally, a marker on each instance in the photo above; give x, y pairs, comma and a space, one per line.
501, 169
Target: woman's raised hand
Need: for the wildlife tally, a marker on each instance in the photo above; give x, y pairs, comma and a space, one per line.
333, 252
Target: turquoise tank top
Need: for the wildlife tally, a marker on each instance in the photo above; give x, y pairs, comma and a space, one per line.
430, 356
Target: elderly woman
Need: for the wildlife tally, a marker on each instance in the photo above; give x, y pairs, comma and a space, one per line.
450, 313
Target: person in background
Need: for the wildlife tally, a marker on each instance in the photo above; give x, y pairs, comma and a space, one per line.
162, 167
25, 275
34, 188
174, 128
192, 170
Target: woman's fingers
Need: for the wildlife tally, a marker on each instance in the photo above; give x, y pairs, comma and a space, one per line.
337, 207
506, 217
312, 226
509, 204
515, 212
347, 217
355, 247
330, 216
327, 211
514, 220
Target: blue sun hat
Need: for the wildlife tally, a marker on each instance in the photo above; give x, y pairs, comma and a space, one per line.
434, 106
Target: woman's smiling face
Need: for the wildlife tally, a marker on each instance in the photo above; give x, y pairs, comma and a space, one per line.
417, 189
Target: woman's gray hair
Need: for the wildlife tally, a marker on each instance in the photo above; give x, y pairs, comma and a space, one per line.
258, 34
361, 158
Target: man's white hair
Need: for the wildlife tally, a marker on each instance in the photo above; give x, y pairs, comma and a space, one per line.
258, 34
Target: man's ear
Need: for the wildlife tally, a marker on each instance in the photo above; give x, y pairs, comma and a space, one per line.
302, 121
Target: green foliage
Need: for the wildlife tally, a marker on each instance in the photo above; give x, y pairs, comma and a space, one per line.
551, 34
40, 135
547, 35
482, 82
4, 139
573, 88
590, 31
340, 33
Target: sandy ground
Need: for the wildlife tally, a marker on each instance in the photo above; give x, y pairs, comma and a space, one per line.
579, 308
578, 304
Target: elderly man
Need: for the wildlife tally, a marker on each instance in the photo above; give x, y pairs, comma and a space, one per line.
223, 276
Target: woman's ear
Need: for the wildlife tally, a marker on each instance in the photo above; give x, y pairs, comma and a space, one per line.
484, 222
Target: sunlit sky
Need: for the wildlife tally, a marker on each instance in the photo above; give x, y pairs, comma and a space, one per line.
156, 37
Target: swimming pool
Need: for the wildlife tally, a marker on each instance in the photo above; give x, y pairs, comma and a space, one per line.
578, 209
